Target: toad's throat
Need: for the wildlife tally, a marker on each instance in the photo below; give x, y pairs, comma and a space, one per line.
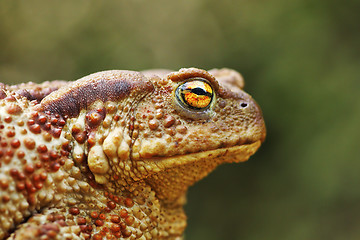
170, 177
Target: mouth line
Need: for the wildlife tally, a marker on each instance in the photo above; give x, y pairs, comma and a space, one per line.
238, 153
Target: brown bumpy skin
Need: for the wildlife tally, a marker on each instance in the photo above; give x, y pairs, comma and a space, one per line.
111, 155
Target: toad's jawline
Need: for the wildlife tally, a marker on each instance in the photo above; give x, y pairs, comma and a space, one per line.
239, 153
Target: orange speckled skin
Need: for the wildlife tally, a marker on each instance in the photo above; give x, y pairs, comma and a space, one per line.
111, 155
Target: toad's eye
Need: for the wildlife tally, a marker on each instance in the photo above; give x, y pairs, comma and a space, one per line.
196, 94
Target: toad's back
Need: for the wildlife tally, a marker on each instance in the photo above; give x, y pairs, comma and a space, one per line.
111, 155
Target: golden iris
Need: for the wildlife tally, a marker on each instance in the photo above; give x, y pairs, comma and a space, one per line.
195, 94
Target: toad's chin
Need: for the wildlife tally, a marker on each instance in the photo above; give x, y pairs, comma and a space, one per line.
171, 176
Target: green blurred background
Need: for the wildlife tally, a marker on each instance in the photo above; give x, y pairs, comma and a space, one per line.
300, 60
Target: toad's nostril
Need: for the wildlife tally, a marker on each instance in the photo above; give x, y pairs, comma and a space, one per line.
243, 105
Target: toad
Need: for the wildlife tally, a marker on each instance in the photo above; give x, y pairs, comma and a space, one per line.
111, 155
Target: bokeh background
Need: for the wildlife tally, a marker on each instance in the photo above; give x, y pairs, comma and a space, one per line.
300, 60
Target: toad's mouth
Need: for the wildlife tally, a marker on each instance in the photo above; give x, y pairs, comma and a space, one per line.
170, 177
239, 153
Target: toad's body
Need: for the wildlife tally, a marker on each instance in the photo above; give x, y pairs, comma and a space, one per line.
110, 156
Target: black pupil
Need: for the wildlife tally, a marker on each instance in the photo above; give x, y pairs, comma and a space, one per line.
200, 91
